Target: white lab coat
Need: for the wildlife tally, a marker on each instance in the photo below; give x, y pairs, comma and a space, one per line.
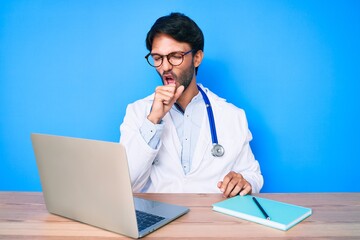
160, 170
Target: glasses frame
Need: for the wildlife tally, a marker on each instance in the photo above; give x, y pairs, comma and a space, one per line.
168, 56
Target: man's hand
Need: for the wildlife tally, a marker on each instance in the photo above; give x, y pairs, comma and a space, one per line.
165, 97
234, 184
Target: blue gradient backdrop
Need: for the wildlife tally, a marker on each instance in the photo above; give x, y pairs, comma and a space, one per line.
71, 67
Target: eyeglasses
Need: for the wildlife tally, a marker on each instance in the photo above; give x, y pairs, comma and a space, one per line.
174, 58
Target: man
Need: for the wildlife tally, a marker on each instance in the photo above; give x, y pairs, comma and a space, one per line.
167, 135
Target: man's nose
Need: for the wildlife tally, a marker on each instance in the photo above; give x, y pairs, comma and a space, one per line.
166, 65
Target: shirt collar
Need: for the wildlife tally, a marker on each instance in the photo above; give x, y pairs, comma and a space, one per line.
197, 98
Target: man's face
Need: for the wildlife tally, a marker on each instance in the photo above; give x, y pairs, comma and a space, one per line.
180, 75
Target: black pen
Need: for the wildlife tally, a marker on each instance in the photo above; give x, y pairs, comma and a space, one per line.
261, 208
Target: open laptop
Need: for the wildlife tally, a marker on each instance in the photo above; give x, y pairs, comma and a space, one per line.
89, 181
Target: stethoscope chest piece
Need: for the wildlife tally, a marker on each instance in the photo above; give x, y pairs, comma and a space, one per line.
217, 150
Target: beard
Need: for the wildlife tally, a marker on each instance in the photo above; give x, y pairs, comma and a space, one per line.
183, 78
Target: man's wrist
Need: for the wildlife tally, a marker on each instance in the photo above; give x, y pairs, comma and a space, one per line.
153, 119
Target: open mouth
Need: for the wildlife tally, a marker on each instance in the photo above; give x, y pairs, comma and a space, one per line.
168, 79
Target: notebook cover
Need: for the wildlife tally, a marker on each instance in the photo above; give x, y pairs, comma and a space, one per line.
282, 215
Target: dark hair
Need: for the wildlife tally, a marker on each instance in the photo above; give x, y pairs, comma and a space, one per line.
179, 27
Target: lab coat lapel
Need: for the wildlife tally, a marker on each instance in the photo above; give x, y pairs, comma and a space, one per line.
204, 143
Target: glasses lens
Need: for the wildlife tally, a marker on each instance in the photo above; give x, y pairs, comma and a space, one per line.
176, 58
154, 60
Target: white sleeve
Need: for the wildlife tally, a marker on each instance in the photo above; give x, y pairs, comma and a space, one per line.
250, 168
140, 155
246, 164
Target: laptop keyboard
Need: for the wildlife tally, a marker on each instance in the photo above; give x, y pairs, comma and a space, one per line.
145, 220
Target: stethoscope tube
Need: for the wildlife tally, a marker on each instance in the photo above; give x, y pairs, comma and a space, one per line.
217, 150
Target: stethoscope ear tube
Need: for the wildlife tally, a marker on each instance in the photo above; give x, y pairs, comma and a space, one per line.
217, 150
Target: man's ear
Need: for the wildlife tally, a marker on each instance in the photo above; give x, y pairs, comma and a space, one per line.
198, 57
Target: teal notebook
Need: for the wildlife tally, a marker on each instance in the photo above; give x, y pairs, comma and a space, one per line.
282, 215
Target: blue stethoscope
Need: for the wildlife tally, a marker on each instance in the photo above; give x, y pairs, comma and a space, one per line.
217, 150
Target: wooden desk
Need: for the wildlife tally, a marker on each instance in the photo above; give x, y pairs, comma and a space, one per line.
335, 216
